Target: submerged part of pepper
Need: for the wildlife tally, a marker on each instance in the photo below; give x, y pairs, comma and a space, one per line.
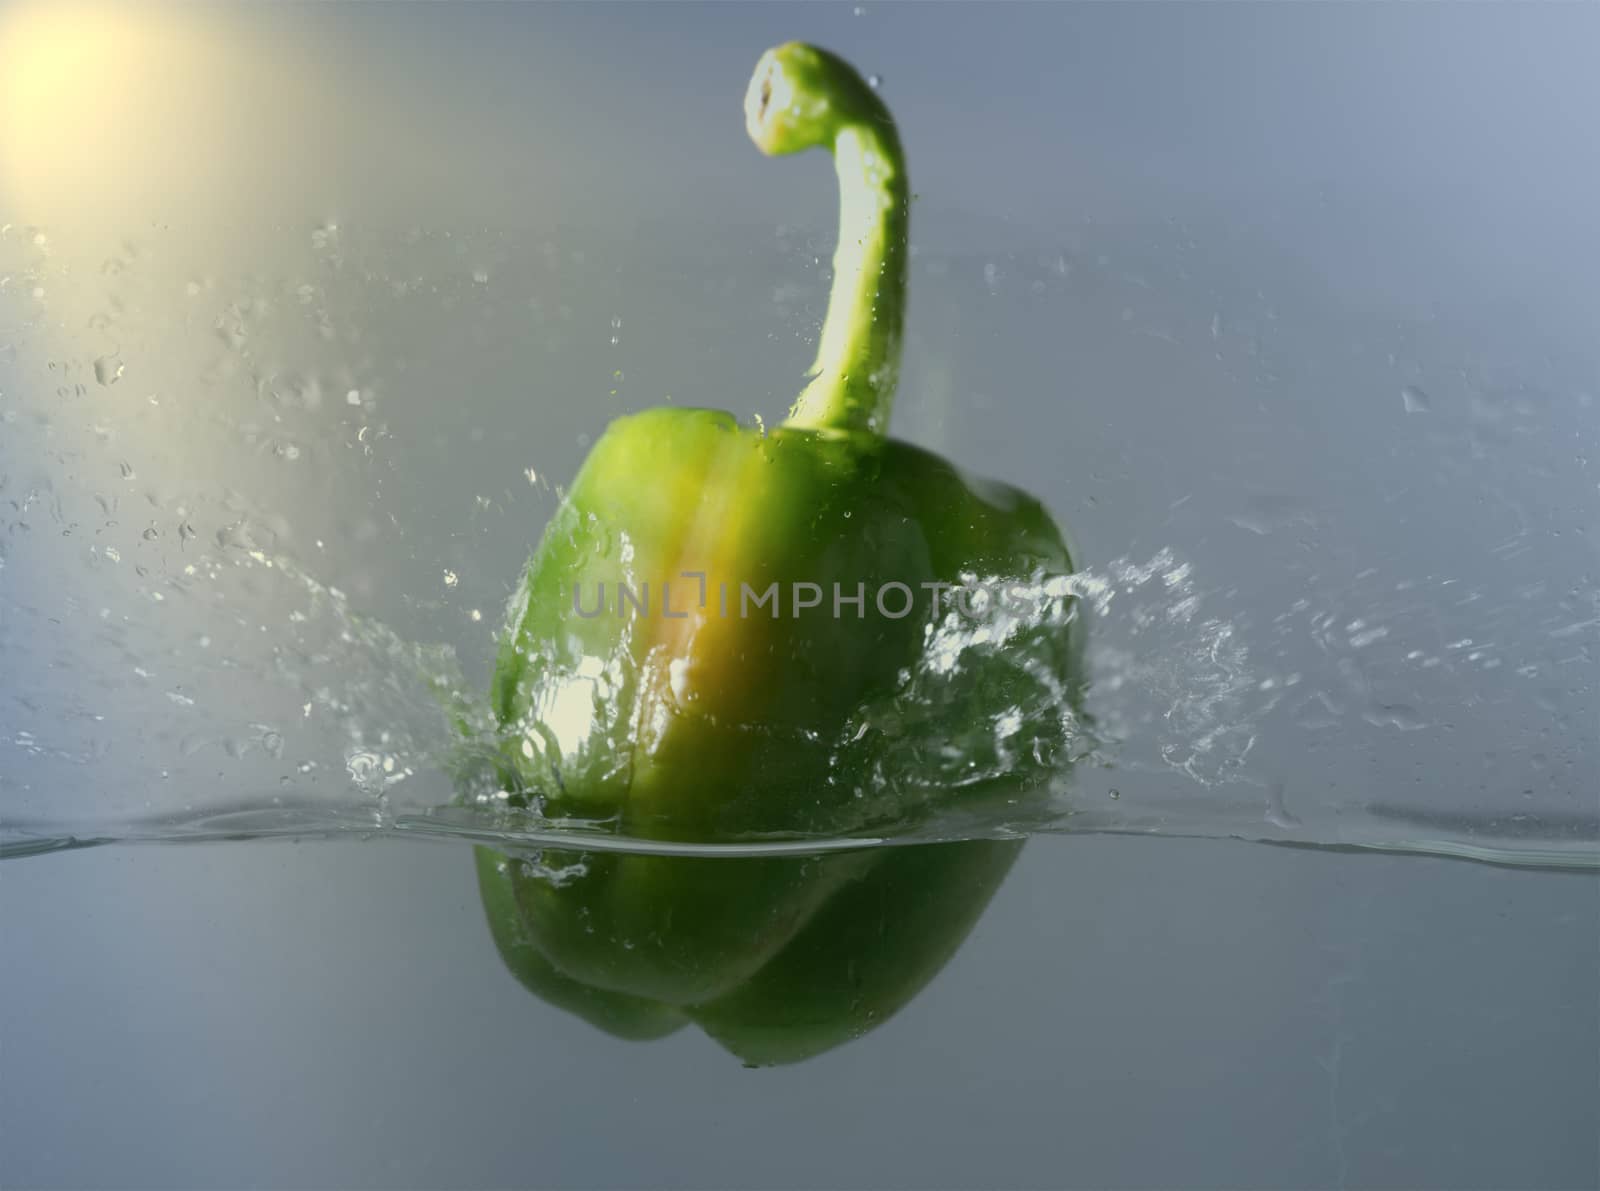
776, 958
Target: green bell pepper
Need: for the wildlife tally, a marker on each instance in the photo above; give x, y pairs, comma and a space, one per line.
777, 958
701, 644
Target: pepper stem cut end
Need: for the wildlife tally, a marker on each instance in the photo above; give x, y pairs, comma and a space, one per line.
801, 97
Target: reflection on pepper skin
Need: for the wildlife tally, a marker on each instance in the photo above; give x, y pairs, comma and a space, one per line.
777, 959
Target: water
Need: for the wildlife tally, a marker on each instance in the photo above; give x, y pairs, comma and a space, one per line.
352, 272
220, 538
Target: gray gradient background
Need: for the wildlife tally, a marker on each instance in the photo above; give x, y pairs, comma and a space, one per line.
1130, 1012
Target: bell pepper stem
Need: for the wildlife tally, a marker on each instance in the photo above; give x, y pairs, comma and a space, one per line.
801, 97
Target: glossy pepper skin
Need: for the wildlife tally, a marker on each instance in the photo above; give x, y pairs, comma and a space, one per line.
690, 716
830, 947
717, 726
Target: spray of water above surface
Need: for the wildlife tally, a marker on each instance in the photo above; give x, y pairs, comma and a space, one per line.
244, 610
390, 740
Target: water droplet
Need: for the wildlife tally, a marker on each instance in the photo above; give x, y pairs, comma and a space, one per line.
1278, 813
1415, 400
108, 370
1361, 640
874, 81
1394, 715
365, 770
1266, 512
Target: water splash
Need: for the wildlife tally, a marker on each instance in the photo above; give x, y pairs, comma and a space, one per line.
1166, 687
216, 681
